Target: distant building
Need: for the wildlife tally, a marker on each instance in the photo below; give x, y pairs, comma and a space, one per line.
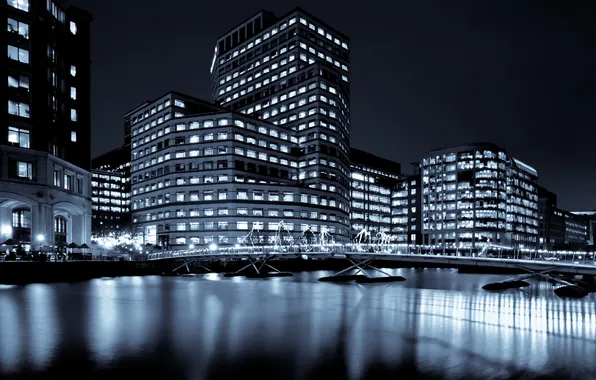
560, 229
373, 181
476, 195
110, 187
44, 178
590, 217
415, 206
577, 230
551, 224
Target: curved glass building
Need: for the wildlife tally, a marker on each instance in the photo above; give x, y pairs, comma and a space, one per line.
476, 194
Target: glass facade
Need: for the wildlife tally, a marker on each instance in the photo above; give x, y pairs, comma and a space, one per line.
371, 200
110, 189
477, 195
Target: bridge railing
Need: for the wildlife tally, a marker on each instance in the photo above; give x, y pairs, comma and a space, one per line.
487, 251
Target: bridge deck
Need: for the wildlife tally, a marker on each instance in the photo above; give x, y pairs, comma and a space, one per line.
560, 261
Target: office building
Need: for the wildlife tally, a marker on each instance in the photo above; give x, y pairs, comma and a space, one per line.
202, 174
44, 177
373, 180
274, 147
405, 208
560, 229
590, 218
475, 195
110, 187
551, 225
293, 71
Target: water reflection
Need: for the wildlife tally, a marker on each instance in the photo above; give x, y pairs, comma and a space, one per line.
438, 322
11, 332
43, 328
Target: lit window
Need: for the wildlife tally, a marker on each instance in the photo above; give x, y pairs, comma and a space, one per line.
19, 4
18, 27
17, 54
73, 93
73, 70
18, 137
73, 27
25, 170
73, 136
17, 81
18, 109
73, 115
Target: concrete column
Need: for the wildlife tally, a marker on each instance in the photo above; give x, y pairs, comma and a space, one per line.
42, 218
5, 223
86, 229
80, 230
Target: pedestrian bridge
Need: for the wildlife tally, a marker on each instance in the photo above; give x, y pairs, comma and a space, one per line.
569, 262
535, 263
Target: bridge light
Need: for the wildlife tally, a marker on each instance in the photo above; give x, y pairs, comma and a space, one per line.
192, 246
237, 246
213, 246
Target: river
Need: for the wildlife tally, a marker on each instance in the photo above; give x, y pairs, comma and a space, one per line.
437, 324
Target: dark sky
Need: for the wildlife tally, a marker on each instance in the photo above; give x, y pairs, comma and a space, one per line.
424, 74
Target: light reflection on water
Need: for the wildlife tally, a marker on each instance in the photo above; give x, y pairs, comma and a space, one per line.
437, 322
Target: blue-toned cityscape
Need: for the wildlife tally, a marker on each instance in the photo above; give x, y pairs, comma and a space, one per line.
212, 242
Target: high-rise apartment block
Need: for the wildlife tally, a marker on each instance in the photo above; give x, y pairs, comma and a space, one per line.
44, 178
476, 194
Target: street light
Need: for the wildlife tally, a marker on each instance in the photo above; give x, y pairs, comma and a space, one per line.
40, 238
7, 230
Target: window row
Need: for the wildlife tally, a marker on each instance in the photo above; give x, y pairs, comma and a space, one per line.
275, 30
157, 108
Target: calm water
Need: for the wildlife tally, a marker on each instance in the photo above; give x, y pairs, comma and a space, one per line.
437, 324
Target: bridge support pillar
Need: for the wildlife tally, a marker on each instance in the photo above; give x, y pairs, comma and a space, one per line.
188, 266
364, 278
568, 290
258, 265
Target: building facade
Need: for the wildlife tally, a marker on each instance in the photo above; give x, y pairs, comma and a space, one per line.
373, 181
293, 71
551, 224
44, 177
560, 229
202, 174
274, 148
590, 218
476, 195
110, 187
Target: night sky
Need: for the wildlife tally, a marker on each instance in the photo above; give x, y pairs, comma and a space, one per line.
424, 74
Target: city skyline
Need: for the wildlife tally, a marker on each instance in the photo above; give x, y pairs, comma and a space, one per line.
535, 106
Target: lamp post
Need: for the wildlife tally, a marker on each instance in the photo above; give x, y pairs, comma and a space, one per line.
40, 238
